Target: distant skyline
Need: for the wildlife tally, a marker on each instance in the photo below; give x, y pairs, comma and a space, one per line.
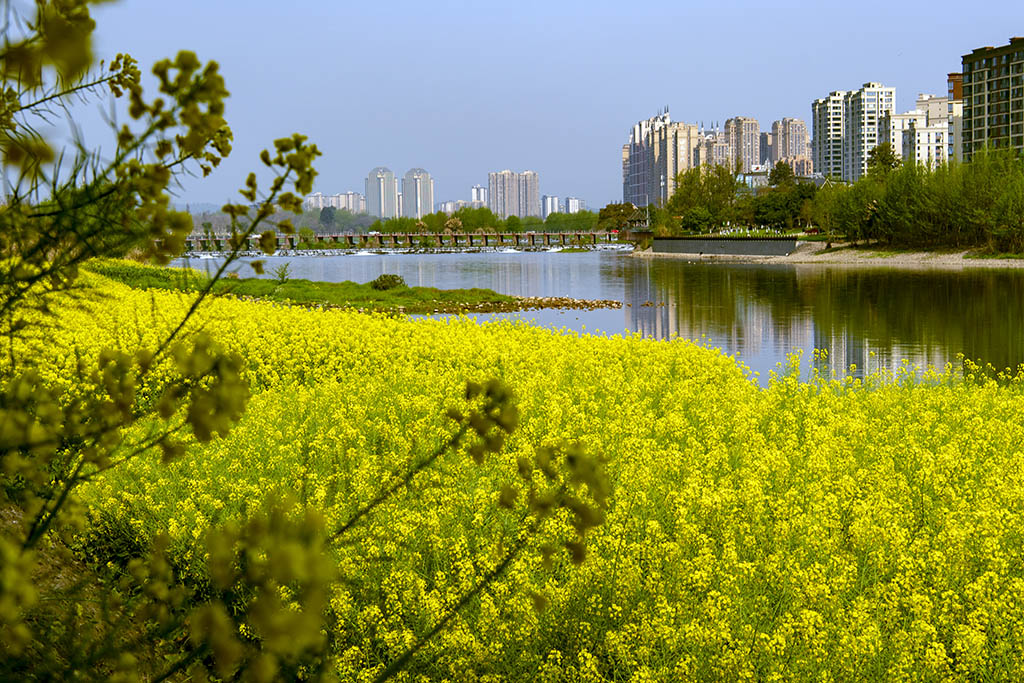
550, 86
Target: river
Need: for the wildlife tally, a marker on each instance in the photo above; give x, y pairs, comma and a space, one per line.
864, 318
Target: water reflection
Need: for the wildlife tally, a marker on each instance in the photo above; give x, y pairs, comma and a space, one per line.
868, 318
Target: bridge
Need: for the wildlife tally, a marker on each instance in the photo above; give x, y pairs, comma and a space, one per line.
426, 239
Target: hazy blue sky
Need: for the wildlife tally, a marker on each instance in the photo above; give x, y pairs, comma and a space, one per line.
463, 88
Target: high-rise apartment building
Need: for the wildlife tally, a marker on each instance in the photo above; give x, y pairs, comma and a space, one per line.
574, 205
503, 193
529, 194
657, 152
744, 137
790, 139
863, 111
350, 201
549, 205
713, 150
513, 194
993, 96
827, 121
478, 193
417, 193
846, 128
451, 206
382, 193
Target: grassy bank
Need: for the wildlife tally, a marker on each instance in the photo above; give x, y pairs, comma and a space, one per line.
806, 531
298, 291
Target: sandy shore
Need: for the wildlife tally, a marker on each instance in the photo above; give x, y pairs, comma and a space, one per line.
813, 253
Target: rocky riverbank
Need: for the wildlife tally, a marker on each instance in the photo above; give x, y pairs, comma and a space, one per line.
522, 303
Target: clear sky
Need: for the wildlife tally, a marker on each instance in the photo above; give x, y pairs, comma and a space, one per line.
464, 88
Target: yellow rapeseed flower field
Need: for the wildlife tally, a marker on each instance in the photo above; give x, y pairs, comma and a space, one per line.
827, 530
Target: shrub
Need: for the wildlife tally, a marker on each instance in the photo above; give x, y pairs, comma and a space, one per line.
388, 281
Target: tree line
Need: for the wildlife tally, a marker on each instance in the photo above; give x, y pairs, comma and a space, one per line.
975, 204
482, 219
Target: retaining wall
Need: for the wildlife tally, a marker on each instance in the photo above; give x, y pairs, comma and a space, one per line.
735, 246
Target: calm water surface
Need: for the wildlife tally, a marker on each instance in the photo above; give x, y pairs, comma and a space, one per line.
868, 318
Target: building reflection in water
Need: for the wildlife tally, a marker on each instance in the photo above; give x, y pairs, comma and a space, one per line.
868, 319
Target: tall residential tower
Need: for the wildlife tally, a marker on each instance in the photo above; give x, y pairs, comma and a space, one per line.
513, 194
417, 193
382, 193
658, 150
993, 92
744, 137
846, 127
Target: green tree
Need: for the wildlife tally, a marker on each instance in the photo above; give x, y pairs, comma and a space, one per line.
513, 224
326, 218
306, 237
713, 188
882, 160
614, 216
480, 218
781, 174
581, 221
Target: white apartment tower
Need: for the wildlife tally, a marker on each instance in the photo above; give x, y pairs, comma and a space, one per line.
350, 201
503, 193
529, 194
827, 121
863, 112
382, 193
549, 205
574, 205
478, 193
417, 193
513, 194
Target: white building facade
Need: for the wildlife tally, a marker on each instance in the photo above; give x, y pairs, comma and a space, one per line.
549, 205
514, 194
350, 201
417, 193
827, 129
863, 112
382, 193
574, 205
